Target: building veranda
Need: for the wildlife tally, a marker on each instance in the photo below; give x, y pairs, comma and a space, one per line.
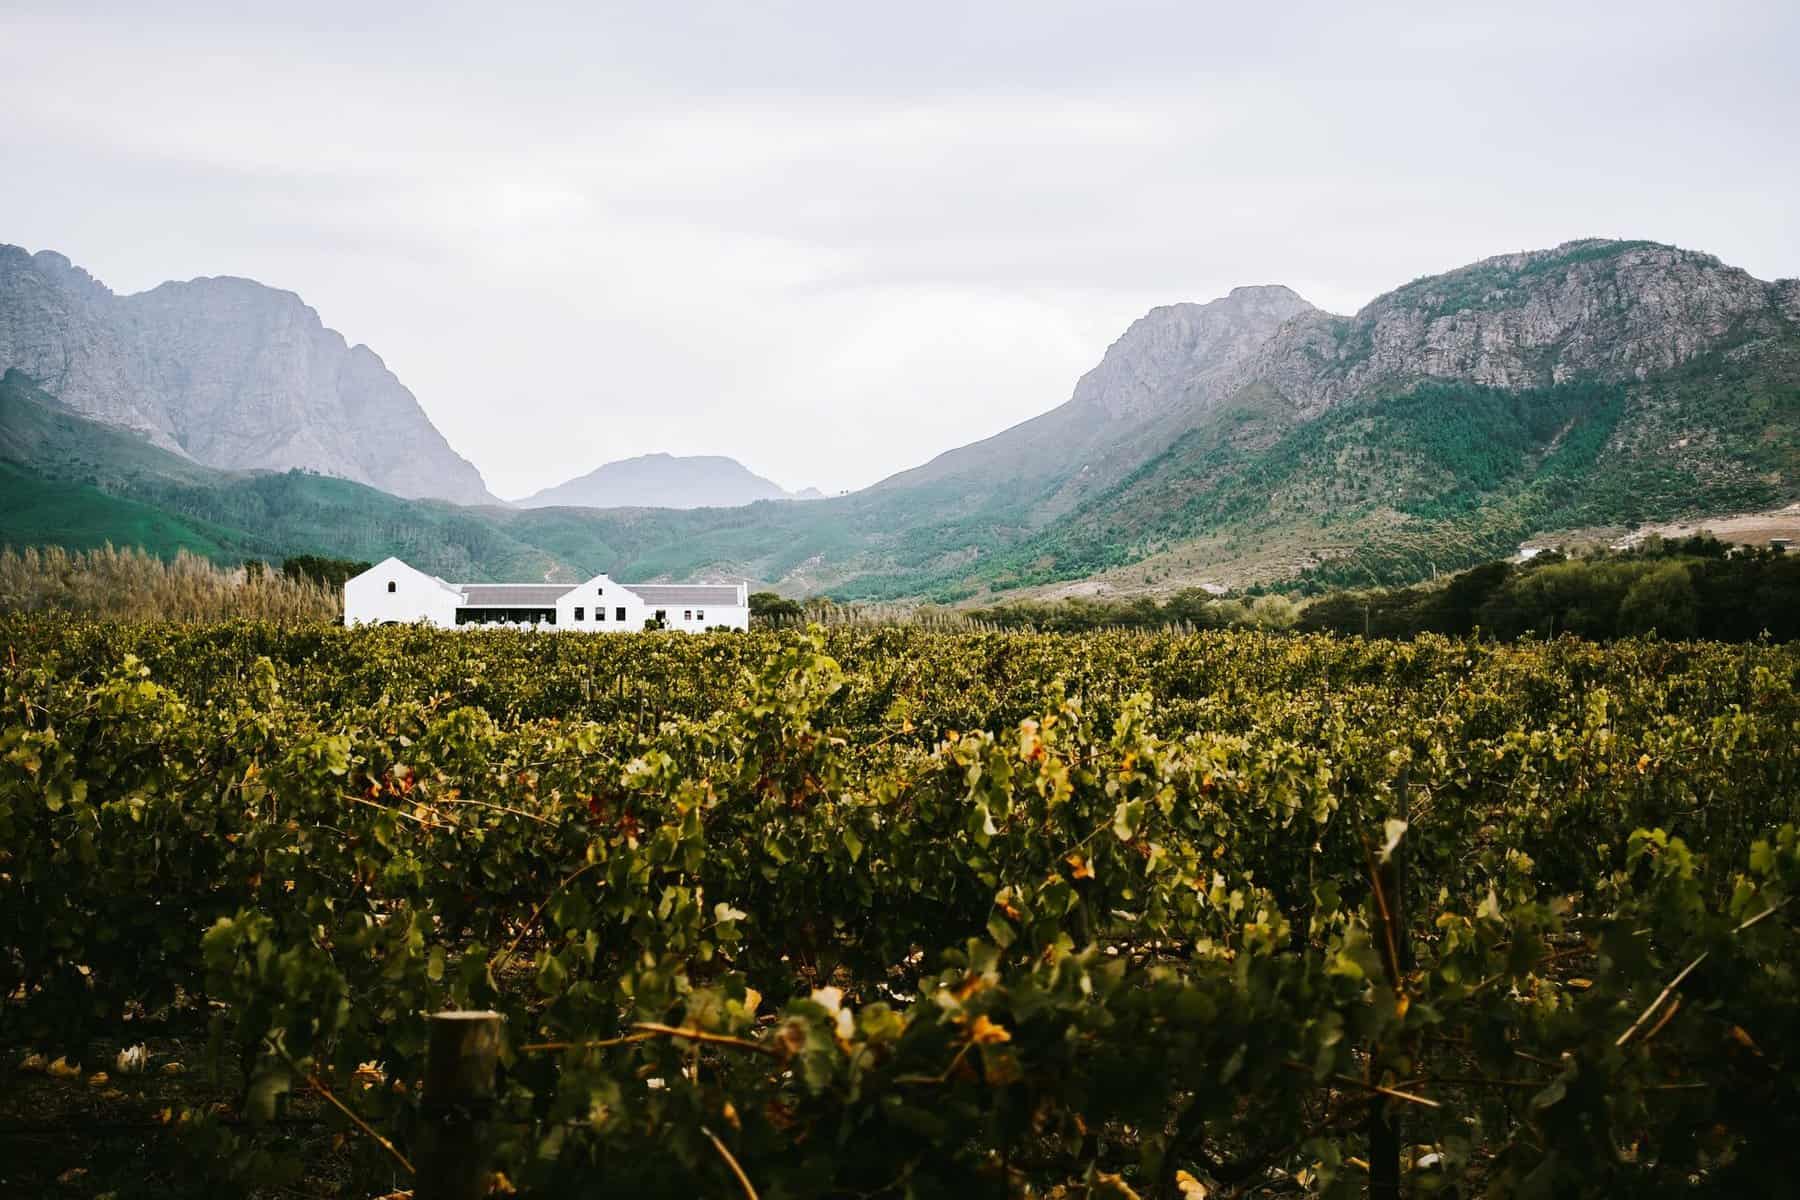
394, 592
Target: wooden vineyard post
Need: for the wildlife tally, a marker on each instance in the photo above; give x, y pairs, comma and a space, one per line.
1390, 888
459, 1092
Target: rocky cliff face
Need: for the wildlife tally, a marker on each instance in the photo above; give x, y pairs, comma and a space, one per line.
1178, 350
226, 371
1587, 309
1139, 396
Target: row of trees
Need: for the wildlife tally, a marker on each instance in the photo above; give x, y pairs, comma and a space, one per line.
1691, 588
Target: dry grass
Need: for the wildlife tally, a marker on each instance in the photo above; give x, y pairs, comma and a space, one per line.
128, 584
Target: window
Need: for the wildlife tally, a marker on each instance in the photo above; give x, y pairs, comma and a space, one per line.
391, 585
580, 613
618, 614
599, 613
699, 614
687, 614
599, 591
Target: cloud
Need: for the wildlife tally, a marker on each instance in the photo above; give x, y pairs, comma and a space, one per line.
832, 241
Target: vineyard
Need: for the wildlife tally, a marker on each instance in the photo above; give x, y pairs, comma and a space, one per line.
888, 913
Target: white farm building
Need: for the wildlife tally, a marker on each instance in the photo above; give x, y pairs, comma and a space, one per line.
392, 592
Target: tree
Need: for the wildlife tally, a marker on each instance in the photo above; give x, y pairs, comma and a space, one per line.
771, 607
1662, 601
332, 572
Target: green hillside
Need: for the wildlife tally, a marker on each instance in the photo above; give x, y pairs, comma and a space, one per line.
79, 483
1443, 474
1409, 478
35, 511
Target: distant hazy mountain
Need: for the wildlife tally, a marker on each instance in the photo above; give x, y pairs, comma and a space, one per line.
664, 481
226, 372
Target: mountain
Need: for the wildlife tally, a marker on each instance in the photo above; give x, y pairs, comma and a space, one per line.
1598, 382
1257, 438
225, 372
1157, 379
662, 481
1251, 439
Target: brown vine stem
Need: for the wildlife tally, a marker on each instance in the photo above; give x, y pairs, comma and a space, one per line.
1378, 1089
944, 1076
645, 1030
517, 812
602, 1044
711, 1039
505, 955
318, 1085
314, 1082
1644, 1017
743, 1179
1668, 1015
394, 812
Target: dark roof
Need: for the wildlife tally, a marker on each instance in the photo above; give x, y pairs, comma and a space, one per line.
523, 595
685, 593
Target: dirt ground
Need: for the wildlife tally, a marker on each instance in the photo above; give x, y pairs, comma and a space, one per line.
1744, 529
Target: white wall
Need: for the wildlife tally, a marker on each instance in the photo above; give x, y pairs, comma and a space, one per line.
596, 595
416, 597
419, 597
735, 615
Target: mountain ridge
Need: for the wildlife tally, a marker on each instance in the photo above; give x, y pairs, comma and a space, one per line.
226, 371
662, 480
1253, 438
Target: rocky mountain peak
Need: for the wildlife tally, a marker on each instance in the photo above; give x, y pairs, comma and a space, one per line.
1589, 308
1175, 344
226, 371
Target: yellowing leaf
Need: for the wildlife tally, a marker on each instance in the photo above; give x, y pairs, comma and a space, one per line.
62, 1069
1078, 867
1392, 831
984, 1032
1742, 1038
1189, 1187
1108, 1184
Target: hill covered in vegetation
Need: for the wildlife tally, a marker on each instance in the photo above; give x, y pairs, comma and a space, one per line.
1255, 436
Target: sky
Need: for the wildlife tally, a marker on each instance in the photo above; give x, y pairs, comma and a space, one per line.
832, 240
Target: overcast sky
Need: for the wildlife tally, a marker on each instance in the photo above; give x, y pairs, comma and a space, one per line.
832, 240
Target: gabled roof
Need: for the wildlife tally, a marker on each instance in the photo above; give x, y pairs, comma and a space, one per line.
685, 593
389, 564
524, 595
546, 595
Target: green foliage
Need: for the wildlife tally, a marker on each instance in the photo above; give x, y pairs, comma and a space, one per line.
1679, 589
893, 912
328, 572
771, 607
1421, 477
